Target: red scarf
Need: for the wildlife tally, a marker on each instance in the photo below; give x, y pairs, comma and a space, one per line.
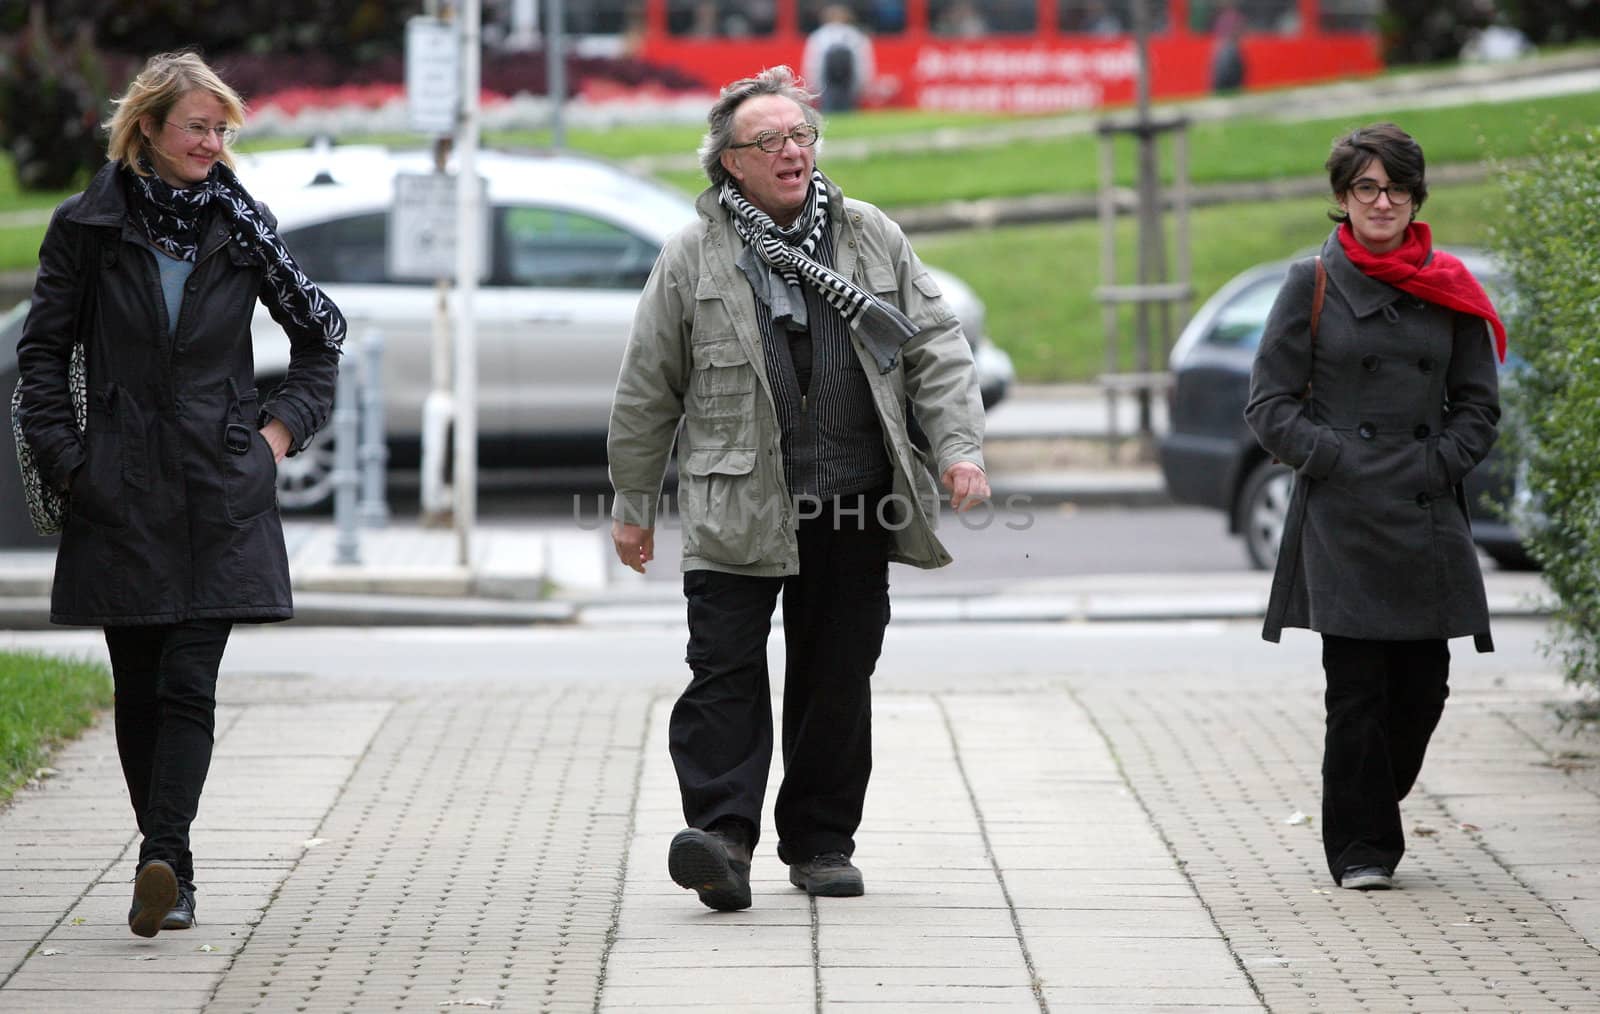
1443, 280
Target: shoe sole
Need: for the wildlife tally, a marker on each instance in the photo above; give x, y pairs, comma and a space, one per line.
156, 891
702, 866
1368, 883
853, 887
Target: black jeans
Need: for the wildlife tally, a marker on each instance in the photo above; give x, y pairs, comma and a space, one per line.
1384, 699
166, 687
834, 614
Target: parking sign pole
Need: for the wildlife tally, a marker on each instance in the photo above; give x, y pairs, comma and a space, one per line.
467, 247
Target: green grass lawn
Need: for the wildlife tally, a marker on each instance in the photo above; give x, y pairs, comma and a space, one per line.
1038, 281
44, 701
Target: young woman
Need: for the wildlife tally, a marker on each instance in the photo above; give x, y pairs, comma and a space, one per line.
173, 533
1382, 409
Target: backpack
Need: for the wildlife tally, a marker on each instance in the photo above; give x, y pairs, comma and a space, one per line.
838, 67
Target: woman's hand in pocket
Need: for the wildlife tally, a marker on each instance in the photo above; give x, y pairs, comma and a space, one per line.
278, 437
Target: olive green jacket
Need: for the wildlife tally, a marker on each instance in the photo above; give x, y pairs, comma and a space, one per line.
695, 357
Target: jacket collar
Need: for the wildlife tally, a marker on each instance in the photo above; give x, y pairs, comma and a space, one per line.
1365, 294
105, 204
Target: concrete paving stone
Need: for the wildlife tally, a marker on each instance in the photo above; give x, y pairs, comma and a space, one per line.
649, 1005
1010, 1004
839, 979
911, 996
711, 989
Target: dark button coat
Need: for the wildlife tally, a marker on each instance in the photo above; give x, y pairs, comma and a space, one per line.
166, 523
1404, 402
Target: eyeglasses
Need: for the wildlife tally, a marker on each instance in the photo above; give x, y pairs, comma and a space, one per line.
1367, 192
771, 141
198, 131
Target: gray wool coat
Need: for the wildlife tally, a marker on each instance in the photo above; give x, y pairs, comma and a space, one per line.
1404, 402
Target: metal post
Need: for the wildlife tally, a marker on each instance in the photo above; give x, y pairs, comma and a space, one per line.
1152, 253
555, 70
374, 439
346, 474
1108, 273
469, 221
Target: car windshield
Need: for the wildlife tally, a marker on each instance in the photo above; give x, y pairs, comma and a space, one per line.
1240, 322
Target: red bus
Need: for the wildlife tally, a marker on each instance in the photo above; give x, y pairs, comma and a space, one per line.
1013, 55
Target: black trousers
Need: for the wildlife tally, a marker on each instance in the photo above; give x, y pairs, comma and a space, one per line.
834, 614
166, 702
1384, 699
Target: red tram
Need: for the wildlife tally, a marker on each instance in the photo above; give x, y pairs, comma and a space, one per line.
1017, 56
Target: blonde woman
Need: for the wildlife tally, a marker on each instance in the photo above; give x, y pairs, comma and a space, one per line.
173, 532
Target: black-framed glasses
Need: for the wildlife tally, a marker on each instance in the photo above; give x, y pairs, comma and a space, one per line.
1367, 192
198, 131
771, 141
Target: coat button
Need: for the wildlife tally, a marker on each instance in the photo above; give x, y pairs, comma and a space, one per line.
1421, 432
1369, 363
1423, 500
1425, 364
1367, 431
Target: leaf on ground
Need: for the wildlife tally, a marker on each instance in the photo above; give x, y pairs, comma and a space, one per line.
79, 920
50, 952
1470, 828
1297, 818
312, 843
1424, 831
206, 948
143, 957
475, 1002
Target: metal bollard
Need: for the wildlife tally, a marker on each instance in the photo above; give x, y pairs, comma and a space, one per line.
346, 475
374, 511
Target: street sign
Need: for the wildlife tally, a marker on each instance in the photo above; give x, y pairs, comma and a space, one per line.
433, 75
422, 227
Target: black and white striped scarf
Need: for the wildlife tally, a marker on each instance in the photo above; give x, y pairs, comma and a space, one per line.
172, 220
790, 255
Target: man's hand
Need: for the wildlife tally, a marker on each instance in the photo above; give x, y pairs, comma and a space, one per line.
635, 546
967, 484
278, 437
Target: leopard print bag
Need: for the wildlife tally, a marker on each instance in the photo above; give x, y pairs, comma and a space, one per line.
47, 506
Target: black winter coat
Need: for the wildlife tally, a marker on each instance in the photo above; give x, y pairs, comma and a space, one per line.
166, 523
1404, 403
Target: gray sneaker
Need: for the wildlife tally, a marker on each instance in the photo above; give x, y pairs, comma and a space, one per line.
829, 875
1367, 878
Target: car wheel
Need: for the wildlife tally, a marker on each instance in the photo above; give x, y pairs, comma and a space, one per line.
305, 480
1263, 508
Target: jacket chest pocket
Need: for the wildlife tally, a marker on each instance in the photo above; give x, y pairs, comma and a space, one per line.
723, 376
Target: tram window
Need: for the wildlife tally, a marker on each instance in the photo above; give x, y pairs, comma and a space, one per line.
1349, 15
1106, 17
594, 17
875, 17
972, 18
721, 19
1281, 17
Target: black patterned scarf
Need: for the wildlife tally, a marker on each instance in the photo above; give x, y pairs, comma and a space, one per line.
788, 258
172, 220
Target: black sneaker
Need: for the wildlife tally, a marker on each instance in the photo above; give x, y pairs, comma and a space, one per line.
182, 915
155, 891
829, 875
713, 864
1367, 878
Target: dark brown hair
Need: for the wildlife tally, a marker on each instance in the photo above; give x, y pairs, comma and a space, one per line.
1399, 152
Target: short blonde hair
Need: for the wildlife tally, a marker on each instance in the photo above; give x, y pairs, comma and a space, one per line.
165, 79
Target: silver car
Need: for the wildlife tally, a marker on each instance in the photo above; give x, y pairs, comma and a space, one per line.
570, 242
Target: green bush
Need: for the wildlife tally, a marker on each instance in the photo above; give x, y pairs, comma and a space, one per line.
1550, 241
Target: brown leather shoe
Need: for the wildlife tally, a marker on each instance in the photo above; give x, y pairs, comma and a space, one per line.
155, 891
713, 864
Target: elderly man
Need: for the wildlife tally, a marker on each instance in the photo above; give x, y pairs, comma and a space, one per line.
786, 331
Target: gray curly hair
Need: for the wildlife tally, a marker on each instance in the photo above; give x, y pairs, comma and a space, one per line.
779, 80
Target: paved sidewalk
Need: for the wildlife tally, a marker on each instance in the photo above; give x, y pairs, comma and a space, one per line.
1080, 839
